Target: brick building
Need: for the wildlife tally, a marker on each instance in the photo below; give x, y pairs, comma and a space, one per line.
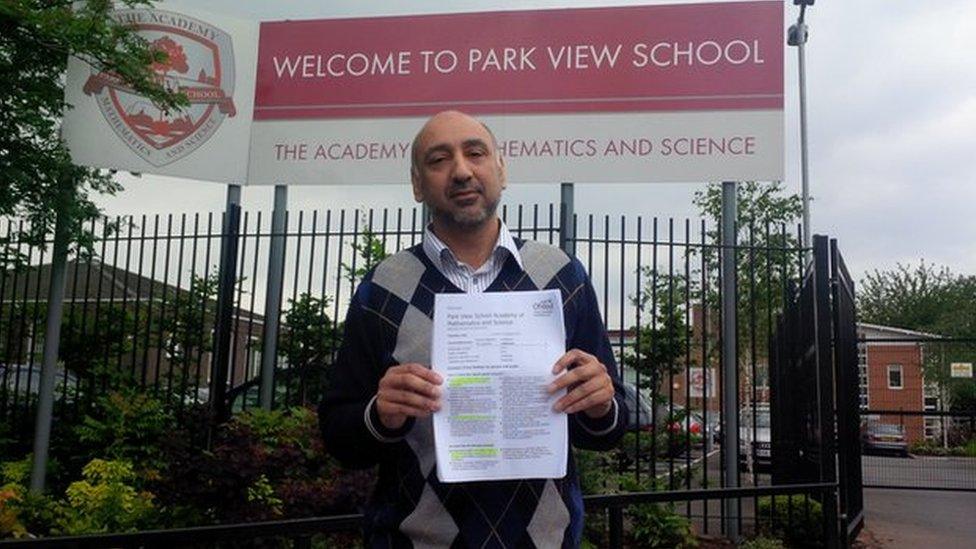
92, 291
891, 379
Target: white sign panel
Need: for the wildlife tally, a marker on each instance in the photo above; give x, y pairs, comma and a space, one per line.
961, 369
702, 382
210, 58
658, 93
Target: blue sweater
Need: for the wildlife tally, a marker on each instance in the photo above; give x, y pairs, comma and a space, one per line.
388, 323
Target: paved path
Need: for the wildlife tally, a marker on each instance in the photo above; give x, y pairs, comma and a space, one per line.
920, 471
913, 518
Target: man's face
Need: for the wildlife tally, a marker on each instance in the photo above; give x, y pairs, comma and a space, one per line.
458, 173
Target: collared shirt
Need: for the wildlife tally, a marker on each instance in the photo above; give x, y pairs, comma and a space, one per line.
463, 275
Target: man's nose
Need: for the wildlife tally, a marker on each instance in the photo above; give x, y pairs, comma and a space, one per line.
462, 170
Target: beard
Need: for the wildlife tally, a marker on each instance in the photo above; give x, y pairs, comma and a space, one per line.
468, 218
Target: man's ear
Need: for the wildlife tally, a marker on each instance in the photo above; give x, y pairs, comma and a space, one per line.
418, 192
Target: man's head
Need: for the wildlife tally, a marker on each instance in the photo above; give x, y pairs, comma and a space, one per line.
456, 170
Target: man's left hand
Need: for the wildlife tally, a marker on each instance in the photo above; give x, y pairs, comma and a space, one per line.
589, 387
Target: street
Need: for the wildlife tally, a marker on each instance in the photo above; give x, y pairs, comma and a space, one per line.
920, 471
915, 518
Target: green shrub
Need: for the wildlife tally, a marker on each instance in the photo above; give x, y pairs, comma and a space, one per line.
21, 512
105, 500
796, 519
969, 449
11, 525
262, 466
16, 474
931, 448
651, 525
657, 526
762, 542
128, 424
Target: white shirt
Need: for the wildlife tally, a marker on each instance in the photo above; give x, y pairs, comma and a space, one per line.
463, 275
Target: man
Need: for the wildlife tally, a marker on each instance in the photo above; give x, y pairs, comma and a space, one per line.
382, 394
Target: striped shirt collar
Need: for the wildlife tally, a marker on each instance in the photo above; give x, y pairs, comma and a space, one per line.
443, 258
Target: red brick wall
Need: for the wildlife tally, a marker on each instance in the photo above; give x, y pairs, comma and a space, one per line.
909, 398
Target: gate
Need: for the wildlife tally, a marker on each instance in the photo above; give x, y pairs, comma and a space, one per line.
813, 381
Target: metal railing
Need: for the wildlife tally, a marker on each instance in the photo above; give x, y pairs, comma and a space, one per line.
144, 309
300, 532
919, 450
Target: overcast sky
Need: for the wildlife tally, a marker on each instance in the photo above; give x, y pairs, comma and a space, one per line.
892, 112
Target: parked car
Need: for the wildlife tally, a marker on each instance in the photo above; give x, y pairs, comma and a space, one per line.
755, 438
639, 409
643, 413
26, 379
883, 438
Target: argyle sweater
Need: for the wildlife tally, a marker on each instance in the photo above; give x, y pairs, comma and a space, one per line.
389, 322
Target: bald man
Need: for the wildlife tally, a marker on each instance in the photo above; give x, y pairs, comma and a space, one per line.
383, 392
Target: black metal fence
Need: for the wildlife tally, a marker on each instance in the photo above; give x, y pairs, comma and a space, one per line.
142, 310
918, 411
942, 458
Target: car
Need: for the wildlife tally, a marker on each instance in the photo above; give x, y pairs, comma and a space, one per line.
883, 438
755, 441
26, 379
639, 409
674, 418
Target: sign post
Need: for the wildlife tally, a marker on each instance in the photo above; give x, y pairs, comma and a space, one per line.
52, 340
730, 375
272, 303
229, 242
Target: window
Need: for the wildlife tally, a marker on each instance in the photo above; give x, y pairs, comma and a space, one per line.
894, 376
862, 375
933, 428
253, 358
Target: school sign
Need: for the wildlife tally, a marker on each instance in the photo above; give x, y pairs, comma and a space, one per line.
690, 92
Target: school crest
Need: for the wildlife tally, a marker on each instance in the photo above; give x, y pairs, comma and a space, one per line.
199, 63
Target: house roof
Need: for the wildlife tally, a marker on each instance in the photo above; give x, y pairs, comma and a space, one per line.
94, 281
877, 330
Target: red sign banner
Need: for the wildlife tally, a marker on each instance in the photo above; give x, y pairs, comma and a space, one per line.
674, 58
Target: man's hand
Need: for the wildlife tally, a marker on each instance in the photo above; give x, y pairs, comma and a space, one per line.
590, 388
407, 390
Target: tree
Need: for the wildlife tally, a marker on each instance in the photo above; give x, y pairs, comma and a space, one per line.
37, 178
768, 256
308, 345
924, 298
371, 249
186, 331
930, 299
661, 341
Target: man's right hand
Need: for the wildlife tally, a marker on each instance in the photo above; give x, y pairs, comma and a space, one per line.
407, 390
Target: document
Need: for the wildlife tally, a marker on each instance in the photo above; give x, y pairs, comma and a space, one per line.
495, 352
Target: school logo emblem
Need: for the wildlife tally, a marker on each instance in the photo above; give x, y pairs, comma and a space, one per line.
199, 63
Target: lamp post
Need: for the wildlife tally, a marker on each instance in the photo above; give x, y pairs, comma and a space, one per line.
797, 36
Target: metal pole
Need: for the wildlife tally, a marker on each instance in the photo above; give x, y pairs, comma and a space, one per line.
272, 304
225, 303
798, 37
730, 389
52, 339
567, 229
